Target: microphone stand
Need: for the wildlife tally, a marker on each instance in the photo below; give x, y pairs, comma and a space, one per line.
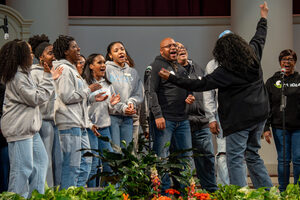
282, 109
147, 94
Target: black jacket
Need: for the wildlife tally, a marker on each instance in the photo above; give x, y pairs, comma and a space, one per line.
2, 94
292, 110
243, 99
196, 111
166, 99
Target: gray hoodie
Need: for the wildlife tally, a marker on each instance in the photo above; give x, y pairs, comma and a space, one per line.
99, 111
70, 108
21, 117
47, 108
210, 97
127, 83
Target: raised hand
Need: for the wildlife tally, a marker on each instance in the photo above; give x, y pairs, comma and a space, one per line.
264, 10
163, 73
114, 99
95, 86
101, 97
56, 72
46, 67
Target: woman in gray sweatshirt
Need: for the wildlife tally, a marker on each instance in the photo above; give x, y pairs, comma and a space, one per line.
70, 112
94, 72
43, 52
21, 119
126, 82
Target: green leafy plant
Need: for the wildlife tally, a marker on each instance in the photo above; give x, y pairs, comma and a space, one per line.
131, 170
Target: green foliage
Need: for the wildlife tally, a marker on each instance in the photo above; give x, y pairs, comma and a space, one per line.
233, 192
132, 170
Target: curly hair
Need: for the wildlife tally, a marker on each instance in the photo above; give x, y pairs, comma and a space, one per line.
35, 40
234, 54
14, 54
108, 50
287, 52
38, 44
87, 72
61, 45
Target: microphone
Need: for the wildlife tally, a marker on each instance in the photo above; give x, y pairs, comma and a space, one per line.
147, 73
283, 72
5, 28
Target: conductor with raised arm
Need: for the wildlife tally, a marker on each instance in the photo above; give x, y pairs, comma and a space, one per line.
243, 100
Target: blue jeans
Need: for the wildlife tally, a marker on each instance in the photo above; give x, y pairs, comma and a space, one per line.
292, 153
121, 129
48, 133
205, 161
57, 157
245, 145
4, 168
86, 162
101, 145
180, 134
221, 164
28, 166
71, 142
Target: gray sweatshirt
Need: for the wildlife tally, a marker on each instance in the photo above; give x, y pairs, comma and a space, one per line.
70, 108
21, 117
210, 97
126, 82
99, 111
47, 108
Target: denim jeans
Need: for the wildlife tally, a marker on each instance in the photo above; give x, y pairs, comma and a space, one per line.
4, 168
292, 153
121, 129
245, 145
28, 166
48, 133
205, 161
101, 145
86, 162
180, 134
70, 140
57, 157
221, 164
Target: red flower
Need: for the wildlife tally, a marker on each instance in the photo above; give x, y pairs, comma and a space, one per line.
172, 191
202, 196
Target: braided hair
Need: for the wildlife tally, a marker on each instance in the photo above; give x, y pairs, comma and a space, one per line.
61, 45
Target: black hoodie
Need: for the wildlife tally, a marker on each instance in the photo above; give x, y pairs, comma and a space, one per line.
292, 92
243, 102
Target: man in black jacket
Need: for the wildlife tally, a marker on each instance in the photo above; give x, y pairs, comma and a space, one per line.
201, 135
168, 105
243, 100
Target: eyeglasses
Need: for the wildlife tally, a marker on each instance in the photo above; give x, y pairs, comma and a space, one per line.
182, 48
288, 60
169, 46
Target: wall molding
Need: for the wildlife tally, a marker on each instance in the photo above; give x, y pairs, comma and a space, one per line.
155, 21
